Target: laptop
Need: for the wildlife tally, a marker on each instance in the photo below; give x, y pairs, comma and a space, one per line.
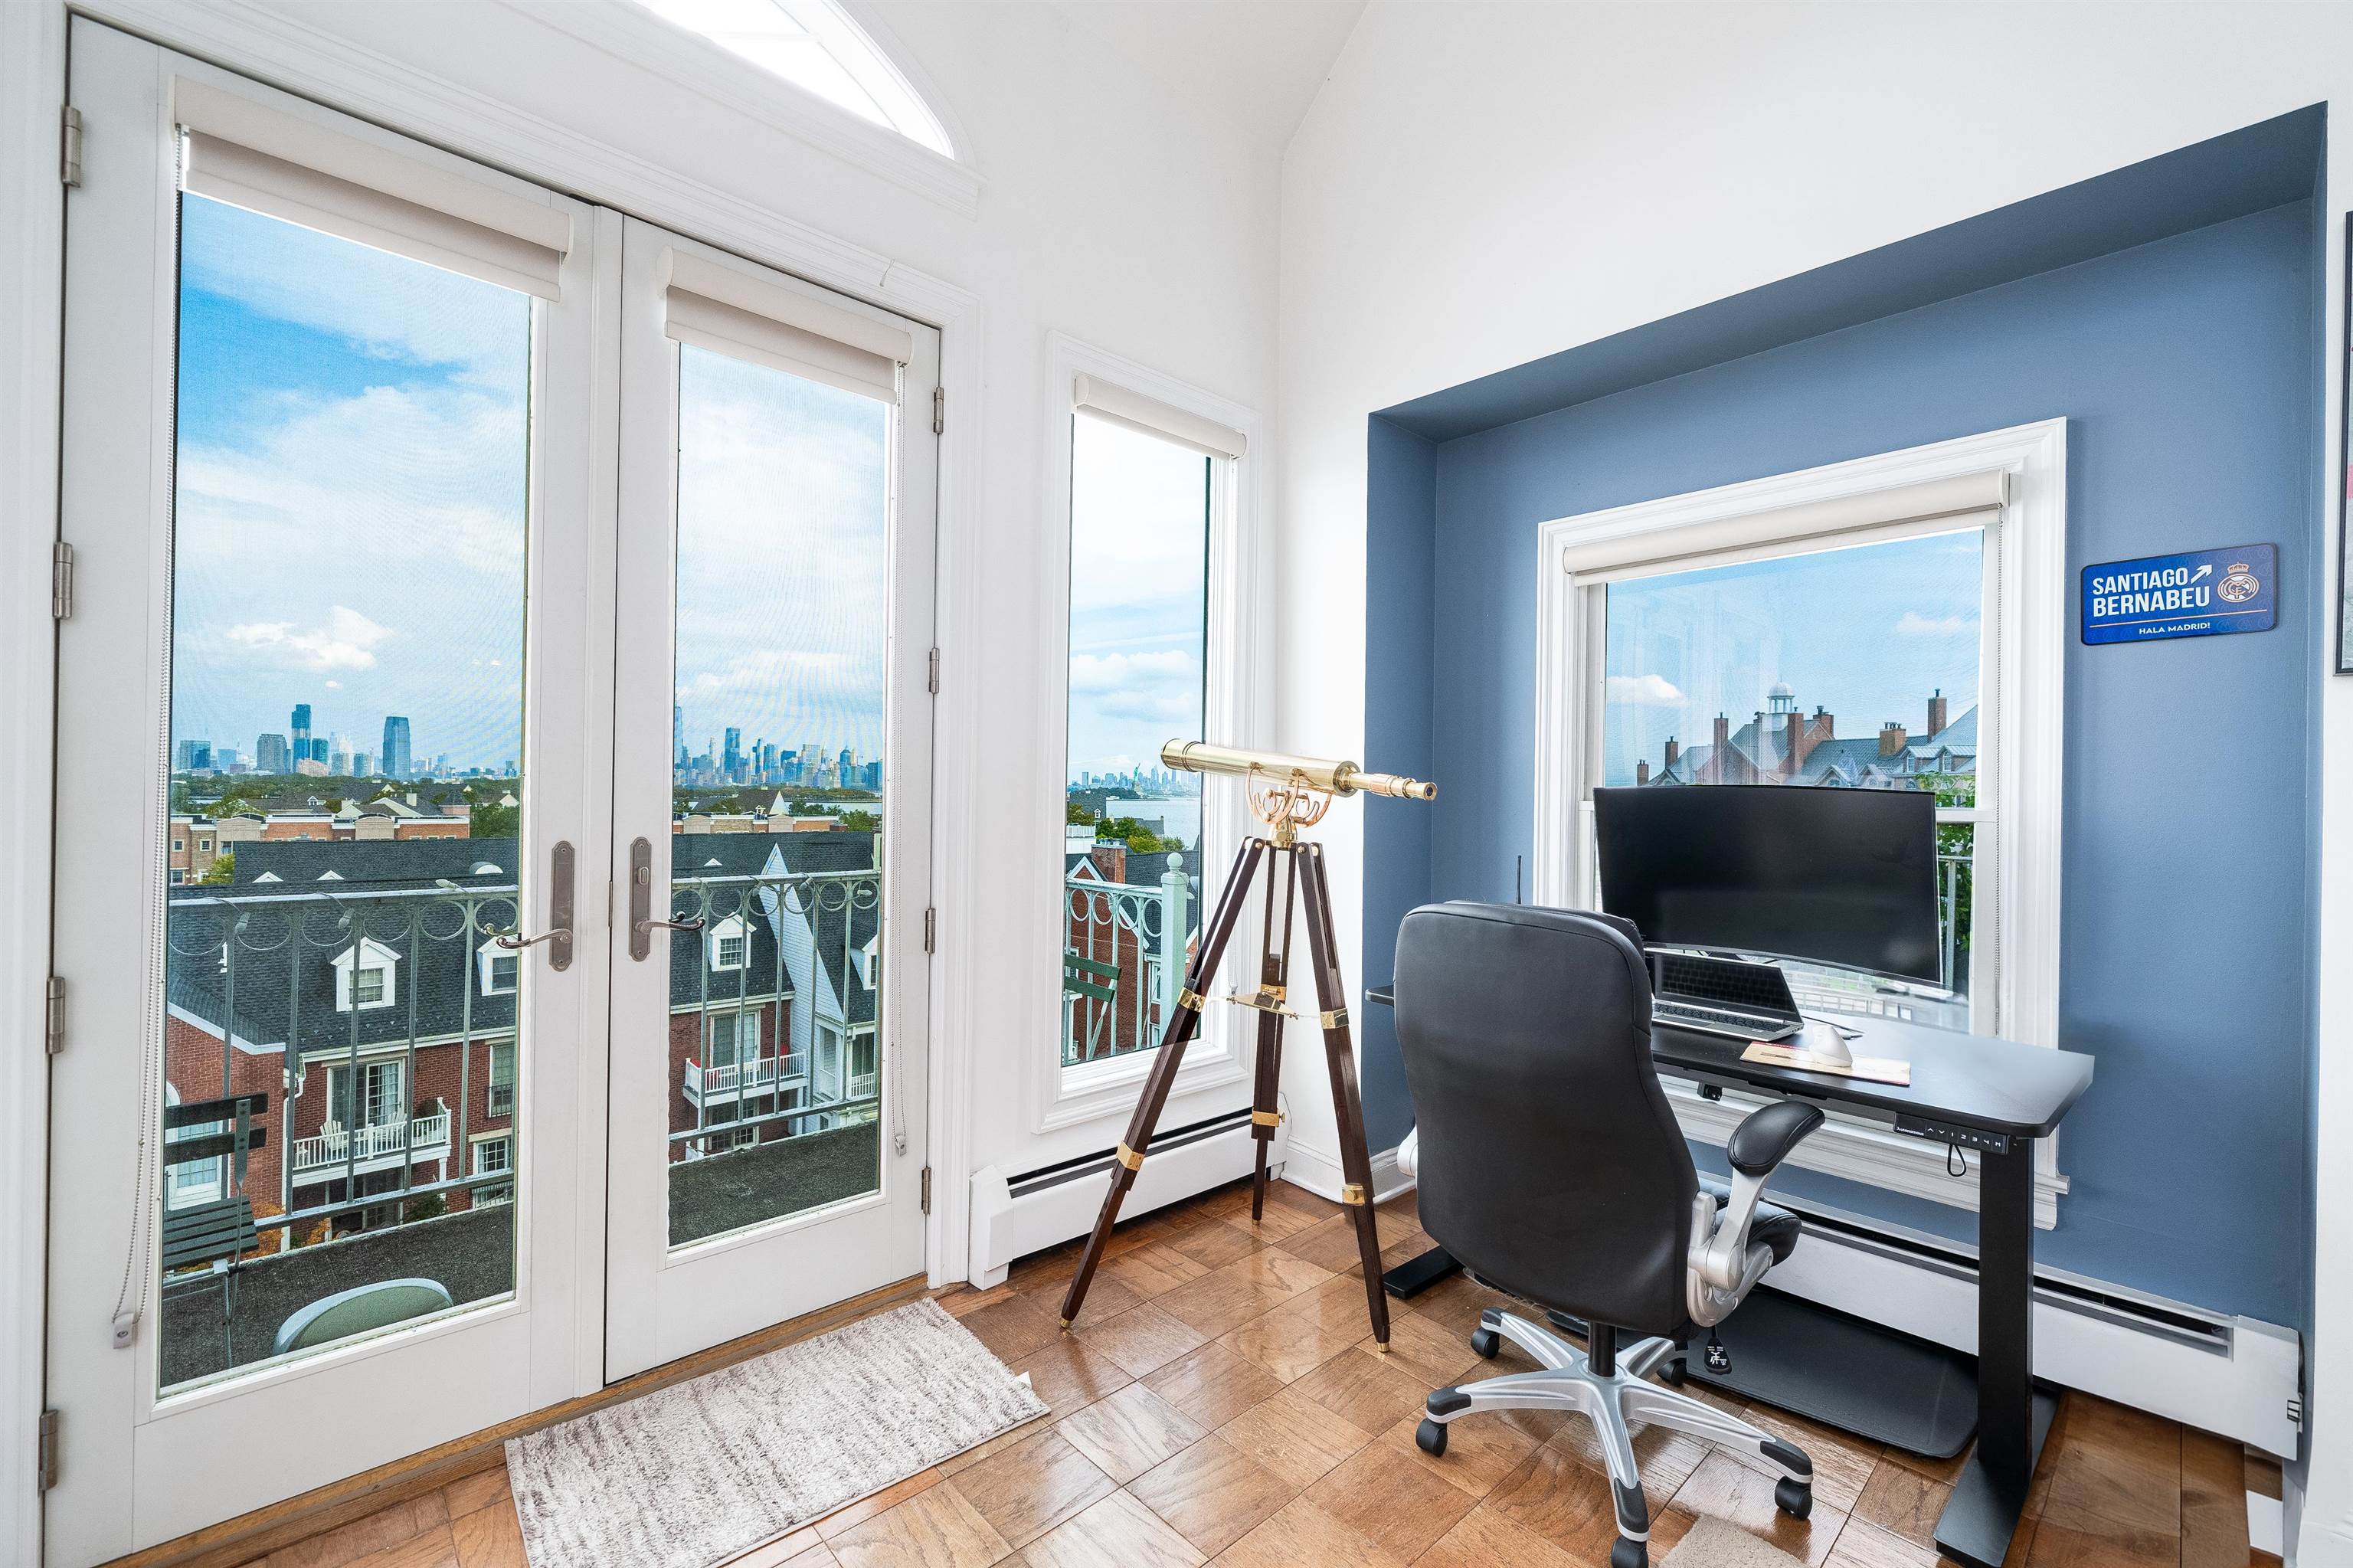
1722, 996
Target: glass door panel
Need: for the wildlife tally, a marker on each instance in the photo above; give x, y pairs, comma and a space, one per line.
777, 734
772, 777
351, 465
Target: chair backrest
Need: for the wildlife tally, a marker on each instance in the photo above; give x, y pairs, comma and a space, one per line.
1550, 1162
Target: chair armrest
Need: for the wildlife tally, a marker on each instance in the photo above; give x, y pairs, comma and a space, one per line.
1723, 1264
1765, 1135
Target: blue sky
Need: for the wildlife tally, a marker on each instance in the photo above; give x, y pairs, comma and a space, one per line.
1867, 631
1139, 596
352, 478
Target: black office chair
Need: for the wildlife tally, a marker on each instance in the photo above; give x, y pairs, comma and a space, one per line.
1552, 1168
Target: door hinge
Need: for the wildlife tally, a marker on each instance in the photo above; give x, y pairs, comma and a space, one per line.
936, 672
939, 410
61, 580
55, 1016
927, 1189
47, 1453
930, 928
70, 148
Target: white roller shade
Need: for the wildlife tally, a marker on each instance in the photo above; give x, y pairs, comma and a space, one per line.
716, 307
1962, 498
1155, 417
248, 153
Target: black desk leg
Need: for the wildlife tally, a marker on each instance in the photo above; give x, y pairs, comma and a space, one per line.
2012, 1421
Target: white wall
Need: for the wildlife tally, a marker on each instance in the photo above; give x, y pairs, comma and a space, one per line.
1109, 210
1478, 185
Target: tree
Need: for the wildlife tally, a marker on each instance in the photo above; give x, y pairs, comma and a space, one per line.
860, 822
1075, 814
494, 821
222, 871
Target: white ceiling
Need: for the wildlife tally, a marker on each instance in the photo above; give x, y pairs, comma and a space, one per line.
1255, 64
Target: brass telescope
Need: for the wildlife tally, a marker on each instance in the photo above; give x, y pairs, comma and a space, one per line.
1286, 793
1278, 767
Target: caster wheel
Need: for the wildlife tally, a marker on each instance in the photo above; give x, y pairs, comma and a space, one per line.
1486, 1342
1795, 1499
1625, 1553
1430, 1438
1672, 1373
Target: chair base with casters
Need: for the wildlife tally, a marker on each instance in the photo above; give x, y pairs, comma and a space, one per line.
1609, 1386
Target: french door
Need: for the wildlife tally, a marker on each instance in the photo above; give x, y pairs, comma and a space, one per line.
417, 512
772, 792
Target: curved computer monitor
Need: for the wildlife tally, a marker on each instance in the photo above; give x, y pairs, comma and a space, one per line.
1835, 876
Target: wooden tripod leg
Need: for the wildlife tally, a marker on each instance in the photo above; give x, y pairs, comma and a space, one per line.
1339, 1050
1274, 973
1182, 1025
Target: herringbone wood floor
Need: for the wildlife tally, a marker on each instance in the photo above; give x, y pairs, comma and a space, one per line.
1221, 1400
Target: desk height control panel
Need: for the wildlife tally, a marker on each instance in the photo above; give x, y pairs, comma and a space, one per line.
1968, 1138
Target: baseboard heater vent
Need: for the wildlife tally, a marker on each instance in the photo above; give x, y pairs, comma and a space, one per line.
2238, 1376
1013, 1215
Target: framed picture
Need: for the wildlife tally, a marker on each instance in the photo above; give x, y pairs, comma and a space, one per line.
2345, 485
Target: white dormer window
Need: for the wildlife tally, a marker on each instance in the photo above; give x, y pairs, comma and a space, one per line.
367, 976
814, 45
331, 877
870, 962
498, 968
268, 876
731, 941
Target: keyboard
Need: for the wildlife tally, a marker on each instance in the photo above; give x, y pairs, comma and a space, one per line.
1722, 1020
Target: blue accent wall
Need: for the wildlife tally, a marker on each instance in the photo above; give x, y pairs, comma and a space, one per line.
2185, 368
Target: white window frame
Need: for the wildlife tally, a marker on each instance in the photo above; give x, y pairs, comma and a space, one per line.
483, 1141
372, 954
2021, 724
403, 1104
711, 1033
732, 926
487, 958
1059, 1096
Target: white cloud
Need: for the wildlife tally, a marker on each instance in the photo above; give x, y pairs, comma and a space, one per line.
1914, 624
1645, 691
347, 642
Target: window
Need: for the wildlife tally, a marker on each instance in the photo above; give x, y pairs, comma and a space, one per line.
365, 977
1895, 622
501, 968
731, 942
493, 1156
1145, 491
733, 1038
814, 45
381, 1103
1846, 668
501, 1100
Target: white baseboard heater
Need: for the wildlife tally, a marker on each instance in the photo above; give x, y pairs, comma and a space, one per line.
2236, 1376
1018, 1214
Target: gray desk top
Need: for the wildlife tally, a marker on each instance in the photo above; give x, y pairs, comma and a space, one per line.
1969, 1080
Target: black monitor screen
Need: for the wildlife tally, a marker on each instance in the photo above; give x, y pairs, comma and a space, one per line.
1839, 876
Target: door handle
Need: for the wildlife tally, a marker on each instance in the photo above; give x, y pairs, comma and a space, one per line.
642, 924
558, 935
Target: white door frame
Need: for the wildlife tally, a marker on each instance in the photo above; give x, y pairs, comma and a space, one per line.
146, 1466
32, 86
280, 47
286, 51
661, 1303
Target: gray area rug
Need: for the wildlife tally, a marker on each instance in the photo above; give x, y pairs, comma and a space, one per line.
1712, 1542
695, 1474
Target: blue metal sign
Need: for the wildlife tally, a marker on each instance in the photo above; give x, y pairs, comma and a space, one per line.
2205, 593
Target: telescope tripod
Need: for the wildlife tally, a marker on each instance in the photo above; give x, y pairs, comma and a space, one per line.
1304, 882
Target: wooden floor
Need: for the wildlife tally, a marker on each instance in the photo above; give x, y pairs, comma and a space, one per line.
1222, 1400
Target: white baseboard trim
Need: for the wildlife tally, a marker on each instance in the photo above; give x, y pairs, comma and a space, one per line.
2266, 1523
2231, 1375
1318, 1171
1007, 1224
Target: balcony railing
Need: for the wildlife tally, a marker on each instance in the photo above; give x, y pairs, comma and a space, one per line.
374, 1146
733, 1080
1139, 930
861, 1086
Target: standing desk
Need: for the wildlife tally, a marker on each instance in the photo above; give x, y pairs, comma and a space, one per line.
1992, 1097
